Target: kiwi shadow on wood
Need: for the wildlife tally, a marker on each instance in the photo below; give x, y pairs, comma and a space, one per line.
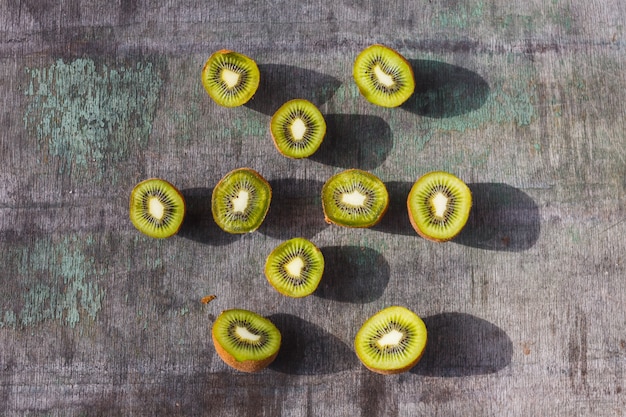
502, 218
445, 90
396, 219
198, 224
353, 274
295, 210
280, 83
460, 344
354, 141
307, 349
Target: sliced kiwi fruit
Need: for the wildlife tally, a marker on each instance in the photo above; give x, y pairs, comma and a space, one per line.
439, 205
295, 267
230, 78
384, 77
298, 128
157, 208
354, 198
245, 340
240, 201
391, 341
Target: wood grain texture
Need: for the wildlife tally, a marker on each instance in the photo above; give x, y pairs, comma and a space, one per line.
521, 100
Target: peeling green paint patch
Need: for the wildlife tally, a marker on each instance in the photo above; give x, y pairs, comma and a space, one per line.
60, 284
89, 115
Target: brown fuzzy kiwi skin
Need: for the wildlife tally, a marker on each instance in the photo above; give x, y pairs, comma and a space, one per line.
243, 366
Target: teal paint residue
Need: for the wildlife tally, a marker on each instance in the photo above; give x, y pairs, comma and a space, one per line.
575, 235
183, 119
345, 97
250, 126
509, 102
461, 16
91, 115
61, 284
10, 320
554, 15
474, 159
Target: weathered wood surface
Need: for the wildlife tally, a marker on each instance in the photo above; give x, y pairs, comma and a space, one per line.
522, 100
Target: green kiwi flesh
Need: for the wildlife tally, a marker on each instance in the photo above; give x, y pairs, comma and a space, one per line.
439, 205
230, 78
354, 198
240, 201
295, 267
298, 128
157, 208
384, 77
245, 340
391, 341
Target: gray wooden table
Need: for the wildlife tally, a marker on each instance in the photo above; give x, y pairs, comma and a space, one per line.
522, 100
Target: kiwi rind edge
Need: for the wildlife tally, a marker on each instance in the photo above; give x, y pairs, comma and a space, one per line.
242, 100
265, 183
331, 220
322, 127
408, 366
179, 197
313, 286
414, 224
245, 365
365, 92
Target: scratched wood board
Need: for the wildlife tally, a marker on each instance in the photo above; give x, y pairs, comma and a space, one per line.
521, 100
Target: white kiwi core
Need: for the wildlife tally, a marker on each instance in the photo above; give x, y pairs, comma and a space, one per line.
156, 208
393, 338
384, 78
354, 198
440, 204
246, 334
298, 129
294, 267
240, 202
230, 78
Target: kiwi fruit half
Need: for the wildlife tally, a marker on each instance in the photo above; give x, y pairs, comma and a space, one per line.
439, 205
230, 78
391, 341
245, 340
298, 128
157, 208
384, 77
240, 201
295, 267
354, 198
